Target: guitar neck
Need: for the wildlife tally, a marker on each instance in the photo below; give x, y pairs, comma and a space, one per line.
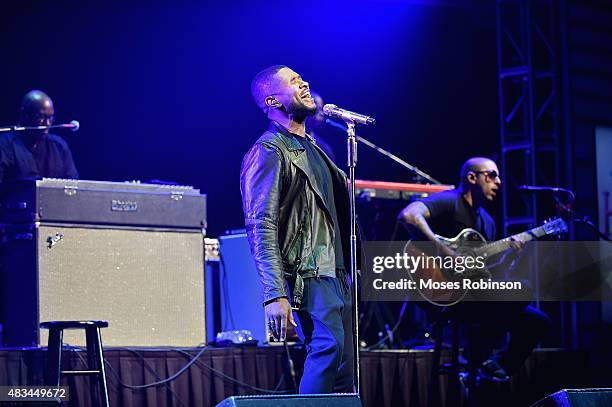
502, 245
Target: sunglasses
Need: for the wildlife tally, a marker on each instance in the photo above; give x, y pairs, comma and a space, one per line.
491, 174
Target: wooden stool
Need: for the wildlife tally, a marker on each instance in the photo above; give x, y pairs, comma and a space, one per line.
95, 358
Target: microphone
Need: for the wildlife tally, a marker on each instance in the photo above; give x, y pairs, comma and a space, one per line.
545, 188
533, 188
335, 111
72, 126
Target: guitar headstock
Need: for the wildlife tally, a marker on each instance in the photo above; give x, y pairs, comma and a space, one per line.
554, 226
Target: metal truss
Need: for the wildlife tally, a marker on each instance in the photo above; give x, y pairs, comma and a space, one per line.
529, 104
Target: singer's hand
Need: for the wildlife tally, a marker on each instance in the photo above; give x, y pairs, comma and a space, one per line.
278, 313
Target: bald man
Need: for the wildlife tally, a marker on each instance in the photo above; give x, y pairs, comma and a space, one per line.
35, 153
448, 213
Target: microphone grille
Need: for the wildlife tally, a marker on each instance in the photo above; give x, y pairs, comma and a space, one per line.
75, 125
327, 109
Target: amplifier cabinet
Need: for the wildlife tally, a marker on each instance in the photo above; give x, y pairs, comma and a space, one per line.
102, 203
147, 283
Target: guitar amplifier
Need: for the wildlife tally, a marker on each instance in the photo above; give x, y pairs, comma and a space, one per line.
147, 283
100, 202
86, 250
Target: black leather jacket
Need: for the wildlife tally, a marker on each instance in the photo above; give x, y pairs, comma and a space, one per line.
278, 200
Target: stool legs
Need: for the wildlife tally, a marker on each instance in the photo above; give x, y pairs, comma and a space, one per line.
433, 393
54, 357
453, 370
454, 385
95, 359
473, 358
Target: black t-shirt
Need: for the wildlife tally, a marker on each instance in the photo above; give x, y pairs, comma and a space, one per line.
51, 158
451, 213
322, 177
324, 145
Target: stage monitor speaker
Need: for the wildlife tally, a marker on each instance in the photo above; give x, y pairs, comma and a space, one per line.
240, 290
577, 398
302, 400
147, 283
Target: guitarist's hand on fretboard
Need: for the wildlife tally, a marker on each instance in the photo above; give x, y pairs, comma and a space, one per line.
516, 244
507, 259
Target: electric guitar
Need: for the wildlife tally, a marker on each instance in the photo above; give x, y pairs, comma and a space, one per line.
433, 278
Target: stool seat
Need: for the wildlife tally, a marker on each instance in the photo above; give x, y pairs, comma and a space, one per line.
95, 357
73, 324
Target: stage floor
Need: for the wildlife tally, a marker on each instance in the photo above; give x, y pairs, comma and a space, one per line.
389, 377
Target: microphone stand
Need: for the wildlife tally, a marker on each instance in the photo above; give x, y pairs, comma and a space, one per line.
74, 126
563, 208
11, 128
567, 208
351, 146
386, 153
399, 160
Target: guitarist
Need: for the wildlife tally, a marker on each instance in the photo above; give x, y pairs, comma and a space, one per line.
448, 213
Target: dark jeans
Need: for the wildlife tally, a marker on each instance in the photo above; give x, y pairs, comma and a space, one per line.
527, 326
325, 326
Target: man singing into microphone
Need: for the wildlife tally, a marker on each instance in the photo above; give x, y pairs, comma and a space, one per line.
35, 153
295, 203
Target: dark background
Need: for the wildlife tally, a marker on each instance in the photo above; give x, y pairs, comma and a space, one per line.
163, 91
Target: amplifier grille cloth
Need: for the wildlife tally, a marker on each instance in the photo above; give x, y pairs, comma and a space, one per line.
149, 285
